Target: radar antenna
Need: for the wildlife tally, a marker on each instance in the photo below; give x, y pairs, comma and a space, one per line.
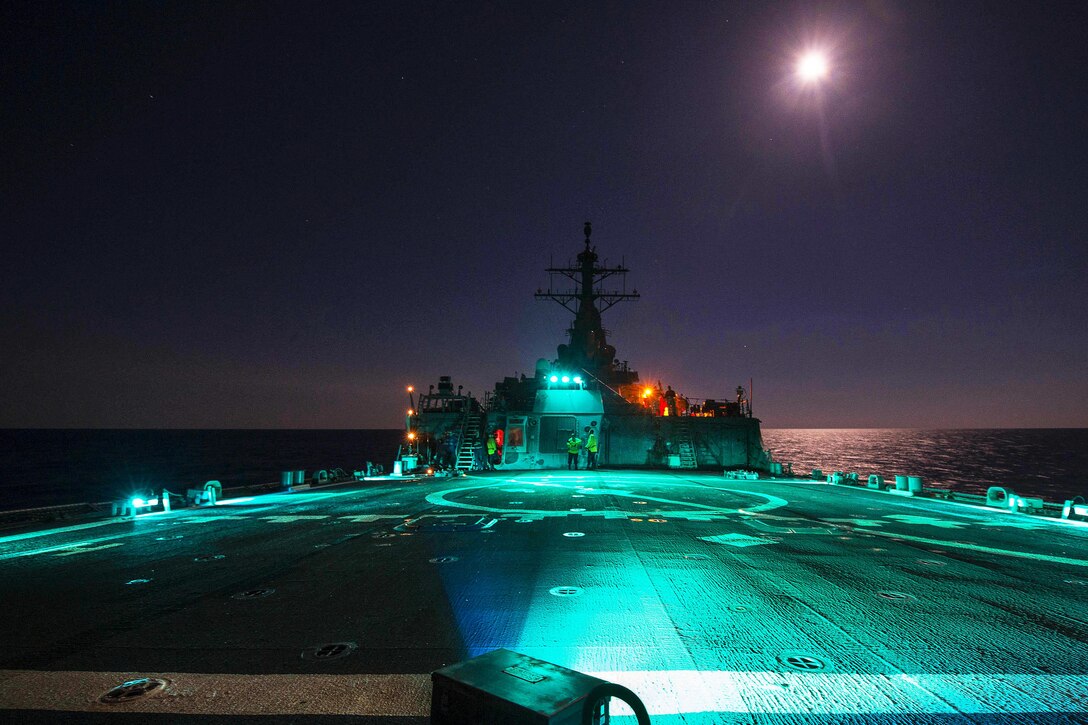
588, 348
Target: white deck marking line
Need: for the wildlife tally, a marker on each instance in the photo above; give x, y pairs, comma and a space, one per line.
978, 547
209, 518
85, 549
816, 693
371, 518
183, 516
179, 515
71, 545
663, 691
99, 540
64, 530
291, 518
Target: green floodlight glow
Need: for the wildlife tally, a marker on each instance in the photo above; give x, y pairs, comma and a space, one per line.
825, 695
566, 378
554, 378
578, 379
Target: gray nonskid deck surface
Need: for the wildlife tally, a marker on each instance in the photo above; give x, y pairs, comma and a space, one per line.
715, 600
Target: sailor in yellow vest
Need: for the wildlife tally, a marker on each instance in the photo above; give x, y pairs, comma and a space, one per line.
574, 445
591, 448
492, 449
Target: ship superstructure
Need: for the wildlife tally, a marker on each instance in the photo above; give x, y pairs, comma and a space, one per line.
587, 353
584, 389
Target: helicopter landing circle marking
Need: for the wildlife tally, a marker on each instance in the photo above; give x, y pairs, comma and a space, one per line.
681, 510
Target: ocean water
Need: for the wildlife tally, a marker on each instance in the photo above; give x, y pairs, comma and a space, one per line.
48, 467
1047, 463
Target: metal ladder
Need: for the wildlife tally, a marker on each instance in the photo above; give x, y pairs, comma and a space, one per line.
685, 444
466, 447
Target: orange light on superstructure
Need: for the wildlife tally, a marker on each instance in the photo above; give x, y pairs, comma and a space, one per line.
411, 388
411, 412
411, 436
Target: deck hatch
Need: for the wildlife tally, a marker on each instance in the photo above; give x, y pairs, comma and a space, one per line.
133, 690
253, 594
807, 663
565, 591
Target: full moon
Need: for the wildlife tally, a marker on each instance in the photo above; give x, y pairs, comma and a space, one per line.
812, 67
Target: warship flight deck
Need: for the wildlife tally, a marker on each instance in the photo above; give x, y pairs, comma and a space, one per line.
714, 600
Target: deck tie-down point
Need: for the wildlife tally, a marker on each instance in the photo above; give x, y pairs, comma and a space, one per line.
133, 690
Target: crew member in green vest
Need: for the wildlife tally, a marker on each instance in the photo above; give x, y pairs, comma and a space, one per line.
492, 449
574, 445
591, 448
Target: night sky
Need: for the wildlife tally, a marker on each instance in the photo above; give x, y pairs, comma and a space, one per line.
235, 215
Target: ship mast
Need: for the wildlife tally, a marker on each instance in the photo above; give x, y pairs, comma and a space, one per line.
588, 348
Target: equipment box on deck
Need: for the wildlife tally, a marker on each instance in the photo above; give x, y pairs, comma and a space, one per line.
507, 688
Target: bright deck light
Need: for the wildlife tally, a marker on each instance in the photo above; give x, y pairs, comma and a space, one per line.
566, 378
578, 380
554, 378
812, 66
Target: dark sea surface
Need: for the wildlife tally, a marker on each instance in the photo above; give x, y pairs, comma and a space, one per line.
1049, 463
47, 467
